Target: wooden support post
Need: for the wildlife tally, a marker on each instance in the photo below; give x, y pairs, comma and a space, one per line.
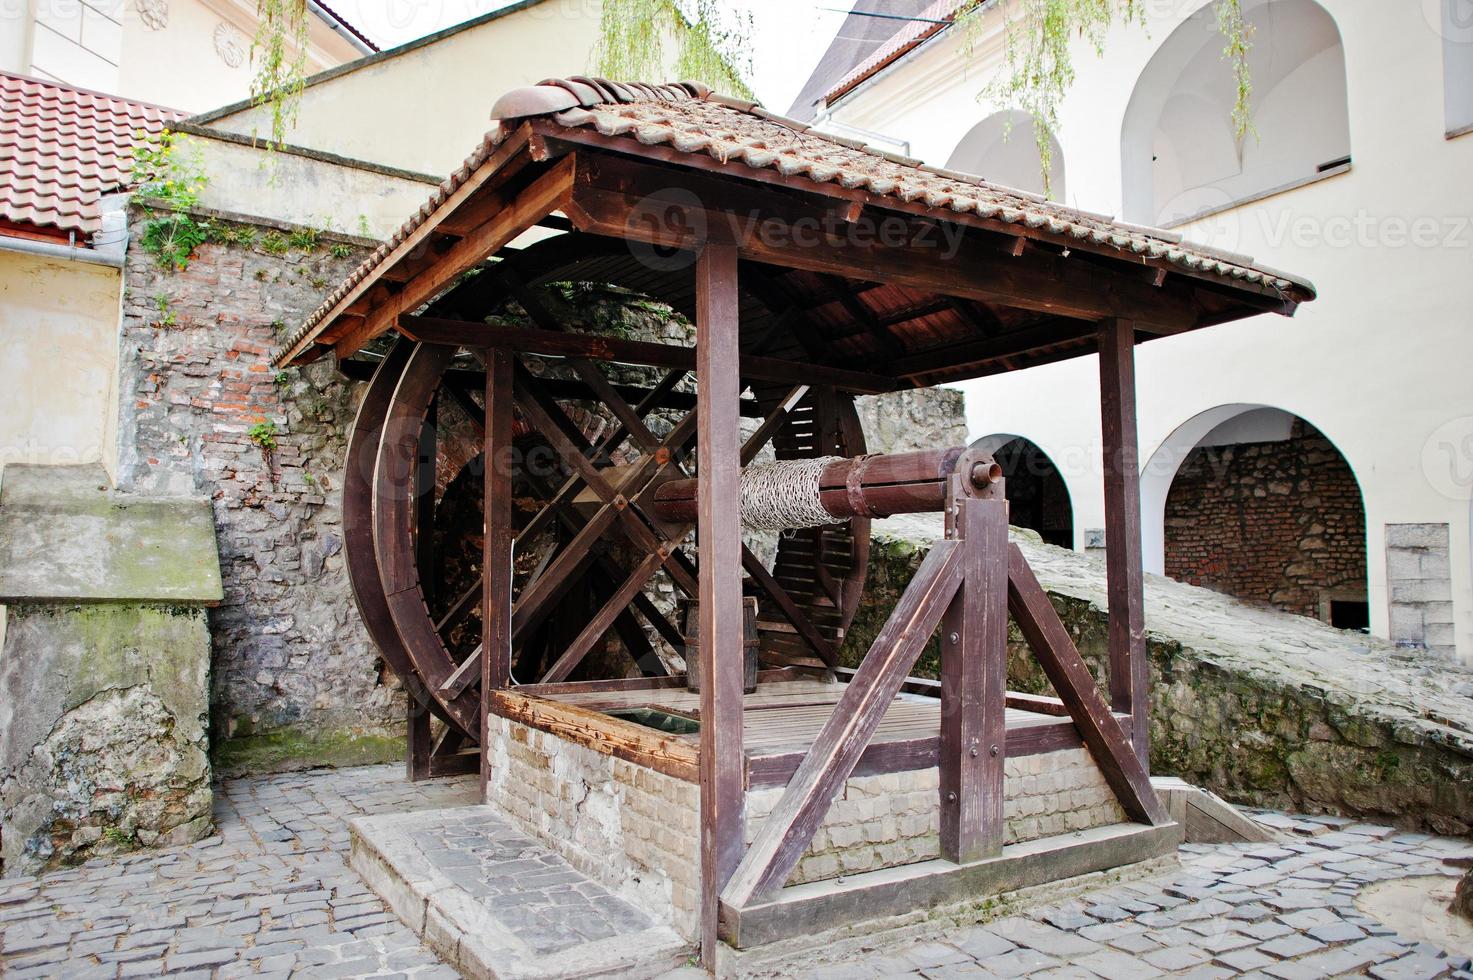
789, 829
499, 535
1129, 666
974, 679
718, 535
417, 741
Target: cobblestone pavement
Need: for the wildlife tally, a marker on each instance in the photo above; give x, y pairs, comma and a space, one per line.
1250, 910
272, 895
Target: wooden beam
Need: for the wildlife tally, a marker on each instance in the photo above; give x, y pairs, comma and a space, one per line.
974, 679
785, 604
775, 766
1130, 666
971, 354
499, 537
789, 829
546, 193
669, 754
494, 164
602, 620
718, 442
609, 196
1070, 676
529, 340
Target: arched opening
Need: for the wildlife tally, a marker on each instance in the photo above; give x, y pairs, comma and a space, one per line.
1180, 156
1038, 498
1457, 64
1257, 503
1001, 148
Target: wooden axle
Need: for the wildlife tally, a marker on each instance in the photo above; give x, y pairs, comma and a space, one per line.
866, 486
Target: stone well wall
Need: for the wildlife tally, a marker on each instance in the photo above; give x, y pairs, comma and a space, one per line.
1260, 707
1274, 522
636, 830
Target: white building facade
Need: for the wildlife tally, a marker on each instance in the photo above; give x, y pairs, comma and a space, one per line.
1358, 177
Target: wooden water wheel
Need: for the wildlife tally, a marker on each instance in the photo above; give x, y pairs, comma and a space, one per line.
583, 576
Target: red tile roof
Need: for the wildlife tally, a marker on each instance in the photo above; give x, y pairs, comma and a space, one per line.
688, 117
62, 148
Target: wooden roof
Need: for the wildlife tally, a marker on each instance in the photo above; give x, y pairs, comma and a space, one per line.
907, 271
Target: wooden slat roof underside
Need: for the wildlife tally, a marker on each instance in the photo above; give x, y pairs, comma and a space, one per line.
917, 336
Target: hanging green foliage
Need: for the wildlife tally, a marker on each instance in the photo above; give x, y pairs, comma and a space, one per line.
709, 47
1039, 64
279, 53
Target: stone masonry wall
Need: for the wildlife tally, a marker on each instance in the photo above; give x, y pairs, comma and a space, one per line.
636, 830
295, 678
1260, 707
1274, 522
895, 819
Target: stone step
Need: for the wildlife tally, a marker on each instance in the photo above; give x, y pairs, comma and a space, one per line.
1209, 819
494, 903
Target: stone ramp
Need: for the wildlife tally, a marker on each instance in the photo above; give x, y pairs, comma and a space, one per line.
1258, 706
495, 903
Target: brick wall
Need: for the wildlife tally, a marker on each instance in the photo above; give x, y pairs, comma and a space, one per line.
294, 675
635, 829
1280, 523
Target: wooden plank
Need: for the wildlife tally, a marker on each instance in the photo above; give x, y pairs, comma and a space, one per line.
1066, 670
974, 678
788, 831
1016, 235
1130, 664
499, 540
809, 909
602, 620
546, 193
610, 195
718, 535
774, 765
597, 731
1039, 703
417, 743
413, 242
596, 347
790, 610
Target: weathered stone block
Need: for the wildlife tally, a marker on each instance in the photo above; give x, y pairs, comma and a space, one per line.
104, 668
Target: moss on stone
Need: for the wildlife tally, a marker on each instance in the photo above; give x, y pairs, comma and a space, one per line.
1229, 711
287, 749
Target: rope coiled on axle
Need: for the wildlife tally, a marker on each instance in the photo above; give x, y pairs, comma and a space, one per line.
781, 495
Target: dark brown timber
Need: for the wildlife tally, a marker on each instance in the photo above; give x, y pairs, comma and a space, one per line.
496, 565
974, 676
718, 445
1129, 665
549, 343
1071, 678
789, 829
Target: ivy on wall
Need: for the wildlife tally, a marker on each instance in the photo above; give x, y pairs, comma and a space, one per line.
1039, 65
279, 55
712, 43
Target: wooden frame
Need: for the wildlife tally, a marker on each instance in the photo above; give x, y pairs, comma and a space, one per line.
804, 326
